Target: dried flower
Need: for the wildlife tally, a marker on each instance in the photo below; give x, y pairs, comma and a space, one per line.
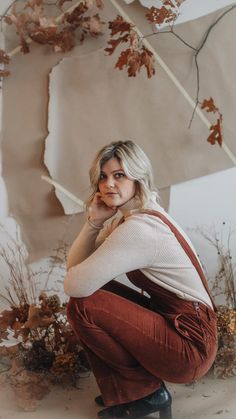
34, 332
224, 286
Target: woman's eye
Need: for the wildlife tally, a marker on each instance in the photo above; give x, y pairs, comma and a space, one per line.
119, 175
102, 176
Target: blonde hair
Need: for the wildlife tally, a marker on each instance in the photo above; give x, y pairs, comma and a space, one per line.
134, 162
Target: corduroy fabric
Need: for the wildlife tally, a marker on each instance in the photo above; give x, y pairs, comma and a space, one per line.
134, 342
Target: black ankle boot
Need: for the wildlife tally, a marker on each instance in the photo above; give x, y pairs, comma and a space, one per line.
160, 401
99, 400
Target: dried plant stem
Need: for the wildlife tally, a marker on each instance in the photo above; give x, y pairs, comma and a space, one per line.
20, 289
196, 49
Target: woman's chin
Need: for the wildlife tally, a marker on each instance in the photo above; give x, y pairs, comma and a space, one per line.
110, 203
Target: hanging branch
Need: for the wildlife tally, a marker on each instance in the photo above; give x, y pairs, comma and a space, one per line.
33, 23
160, 16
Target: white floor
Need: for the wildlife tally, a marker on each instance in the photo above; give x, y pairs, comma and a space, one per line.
208, 399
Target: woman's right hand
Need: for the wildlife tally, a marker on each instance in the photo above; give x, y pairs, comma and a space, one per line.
99, 212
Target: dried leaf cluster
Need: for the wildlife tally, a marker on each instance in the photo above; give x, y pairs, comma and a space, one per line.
33, 22
215, 129
35, 335
167, 13
4, 60
136, 55
224, 286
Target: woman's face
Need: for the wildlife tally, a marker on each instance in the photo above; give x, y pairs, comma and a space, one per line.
115, 188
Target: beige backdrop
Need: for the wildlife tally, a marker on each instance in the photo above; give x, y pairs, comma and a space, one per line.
93, 104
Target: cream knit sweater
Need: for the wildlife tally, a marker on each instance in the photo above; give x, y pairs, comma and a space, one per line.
141, 242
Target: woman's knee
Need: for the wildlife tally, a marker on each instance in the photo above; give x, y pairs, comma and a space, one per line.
76, 306
71, 307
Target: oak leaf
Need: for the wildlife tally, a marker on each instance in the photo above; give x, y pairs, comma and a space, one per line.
148, 61
209, 105
4, 57
7, 319
92, 24
65, 41
133, 39
44, 35
123, 59
38, 318
134, 63
168, 3
115, 42
216, 133
130, 59
119, 25
74, 17
161, 15
24, 45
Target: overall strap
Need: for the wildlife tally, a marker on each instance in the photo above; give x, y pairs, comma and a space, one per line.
188, 250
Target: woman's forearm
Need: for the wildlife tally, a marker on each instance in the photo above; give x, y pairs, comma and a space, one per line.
83, 246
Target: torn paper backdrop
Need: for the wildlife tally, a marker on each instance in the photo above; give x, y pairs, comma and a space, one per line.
91, 105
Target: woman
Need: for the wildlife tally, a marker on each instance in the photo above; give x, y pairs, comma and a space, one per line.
135, 342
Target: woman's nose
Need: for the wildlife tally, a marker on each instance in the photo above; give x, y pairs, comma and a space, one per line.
110, 182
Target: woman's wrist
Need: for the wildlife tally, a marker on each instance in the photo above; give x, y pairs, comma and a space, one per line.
97, 224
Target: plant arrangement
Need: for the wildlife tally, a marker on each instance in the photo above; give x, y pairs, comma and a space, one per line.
224, 293
35, 336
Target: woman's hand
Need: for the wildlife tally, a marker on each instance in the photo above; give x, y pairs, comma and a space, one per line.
99, 212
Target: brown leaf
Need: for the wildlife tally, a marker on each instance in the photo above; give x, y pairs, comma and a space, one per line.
7, 319
92, 24
161, 15
44, 35
216, 133
168, 3
115, 42
133, 39
65, 41
148, 62
123, 59
134, 63
131, 59
119, 25
24, 45
4, 58
209, 105
8, 20
74, 18
38, 318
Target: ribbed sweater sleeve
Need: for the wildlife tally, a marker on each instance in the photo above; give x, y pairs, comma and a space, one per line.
83, 245
130, 246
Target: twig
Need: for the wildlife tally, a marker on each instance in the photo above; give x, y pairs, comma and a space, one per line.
197, 51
